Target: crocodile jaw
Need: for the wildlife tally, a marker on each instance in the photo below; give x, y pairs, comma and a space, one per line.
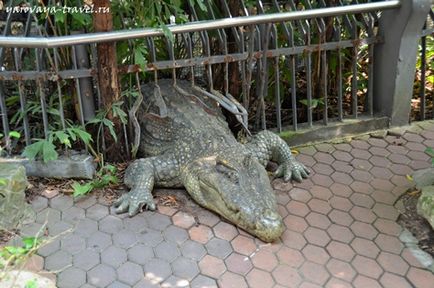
249, 202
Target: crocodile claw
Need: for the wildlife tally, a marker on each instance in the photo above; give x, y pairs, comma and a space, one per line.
292, 170
134, 202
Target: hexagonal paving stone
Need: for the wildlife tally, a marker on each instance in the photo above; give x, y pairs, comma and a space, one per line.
212, 266
314, 272
61, 202
39, 203
264, 259
364, 230
73, 215
340, 251
158, 221
225, 231
340, 233
185, 268
238, 263
392, 263
97, 212
367, 266
340, 217
318, 220
130, 273
114, 256
420, 278
48, 216
289, 256
58, 261
315, 254
101, 275
157, 270
192, 250
392, 280
73, 244
341, 269
284, 274
86, 227
99, 241
175, 234
365, 247
219, 248
316, 236
124, 239
118, 284
229, 279
293, 239
167, 251
136, 224
150, 237
389, 243
200, 233
183, 220
49, 248
203, 281
71, 277
140, 254
86, 259
363, 281
243, 245
320, 192
174, 281
259, 279
110, 224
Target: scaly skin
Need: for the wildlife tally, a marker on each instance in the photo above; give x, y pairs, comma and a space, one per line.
193, 148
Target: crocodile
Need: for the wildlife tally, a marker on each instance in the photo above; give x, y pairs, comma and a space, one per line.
192, 147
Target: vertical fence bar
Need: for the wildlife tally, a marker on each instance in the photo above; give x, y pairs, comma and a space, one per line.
354, 82
41, 89
5, 120
324, 76
422, 76
23, 101
77, 88
339, 76
309, 80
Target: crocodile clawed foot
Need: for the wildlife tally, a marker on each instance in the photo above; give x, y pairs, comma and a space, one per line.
292, 170
134, 202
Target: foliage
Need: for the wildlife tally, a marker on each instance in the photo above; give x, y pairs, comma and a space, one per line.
106, 176
430, 152
12, 134
46, 148
11, 255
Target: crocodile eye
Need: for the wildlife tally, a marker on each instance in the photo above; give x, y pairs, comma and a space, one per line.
228, 172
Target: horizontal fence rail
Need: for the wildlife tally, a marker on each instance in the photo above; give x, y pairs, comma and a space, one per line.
52, 42
287, 69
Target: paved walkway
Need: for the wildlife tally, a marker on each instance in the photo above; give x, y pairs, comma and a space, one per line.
340, 231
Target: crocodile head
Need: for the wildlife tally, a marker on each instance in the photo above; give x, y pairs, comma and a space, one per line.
236, 186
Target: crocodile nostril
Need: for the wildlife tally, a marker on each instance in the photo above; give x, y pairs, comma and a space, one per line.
271, 215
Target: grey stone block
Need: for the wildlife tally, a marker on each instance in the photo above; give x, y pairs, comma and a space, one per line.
49, 248
425, 204
101, 275
73, 244
58, 261
219, 248
97, 212
75, 166
61, 202
185, 268
193, 250
114, 256
73, 215
39, 203
110, 224
174, 281
86, 227
98, 241
14, 210
424, 177
175, 234
157, 269
48, 216
58, 228
118, 284
85, 201
167, 251
125, 239
71, 277
86, 259
130, 273
158, 221
140, 254
32, 229
136, 223
203, 281
150, 237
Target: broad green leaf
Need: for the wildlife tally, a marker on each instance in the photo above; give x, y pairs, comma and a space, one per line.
48, 151
3, 181
15, 134
80, 190
139, 58
109, 124
30, 242
82, 135
33, 150
63, 138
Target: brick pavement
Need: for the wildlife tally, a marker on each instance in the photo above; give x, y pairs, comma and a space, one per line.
340, 231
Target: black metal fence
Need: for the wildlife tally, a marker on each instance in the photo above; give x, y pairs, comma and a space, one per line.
283, 65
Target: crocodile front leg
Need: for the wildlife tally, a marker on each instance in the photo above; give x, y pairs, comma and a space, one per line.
266, 146
140, 176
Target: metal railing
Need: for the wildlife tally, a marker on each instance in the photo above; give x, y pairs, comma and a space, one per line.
314, 65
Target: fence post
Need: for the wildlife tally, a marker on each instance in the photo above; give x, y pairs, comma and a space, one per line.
395, 59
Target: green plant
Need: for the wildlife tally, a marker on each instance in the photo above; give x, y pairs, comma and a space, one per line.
12, 134
12, 255
104, 177
46, 149
430, 152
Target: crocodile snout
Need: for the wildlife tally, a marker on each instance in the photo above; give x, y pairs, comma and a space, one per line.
269, 225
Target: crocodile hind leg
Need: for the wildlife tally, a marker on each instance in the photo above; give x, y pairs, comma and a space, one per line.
140, 176
266, 146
